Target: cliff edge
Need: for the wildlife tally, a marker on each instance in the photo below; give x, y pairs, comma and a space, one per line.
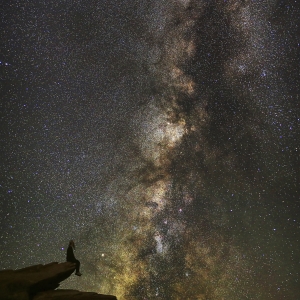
40, 282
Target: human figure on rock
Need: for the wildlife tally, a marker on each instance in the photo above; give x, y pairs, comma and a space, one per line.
71, 257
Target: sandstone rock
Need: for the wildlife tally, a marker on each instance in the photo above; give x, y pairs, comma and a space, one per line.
25, 283
39, 283
71, 295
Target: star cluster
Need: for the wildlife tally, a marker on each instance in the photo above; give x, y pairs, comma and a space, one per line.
162, 136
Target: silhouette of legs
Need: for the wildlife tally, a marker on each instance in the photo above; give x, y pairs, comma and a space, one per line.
77, 265
77, 262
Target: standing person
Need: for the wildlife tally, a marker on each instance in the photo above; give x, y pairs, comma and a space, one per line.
71, 257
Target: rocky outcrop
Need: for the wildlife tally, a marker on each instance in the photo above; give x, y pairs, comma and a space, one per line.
40, 282
71, 295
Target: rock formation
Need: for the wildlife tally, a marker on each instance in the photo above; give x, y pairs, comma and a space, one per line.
40, 282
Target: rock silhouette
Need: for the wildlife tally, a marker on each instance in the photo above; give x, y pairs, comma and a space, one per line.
40, 282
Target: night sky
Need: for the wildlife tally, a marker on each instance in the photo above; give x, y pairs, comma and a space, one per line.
162, 136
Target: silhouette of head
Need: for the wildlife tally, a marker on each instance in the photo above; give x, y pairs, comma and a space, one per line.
72, 244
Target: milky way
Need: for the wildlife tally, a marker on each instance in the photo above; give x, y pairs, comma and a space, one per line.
162, 136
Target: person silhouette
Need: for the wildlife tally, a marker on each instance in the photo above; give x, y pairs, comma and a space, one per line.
71, 257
